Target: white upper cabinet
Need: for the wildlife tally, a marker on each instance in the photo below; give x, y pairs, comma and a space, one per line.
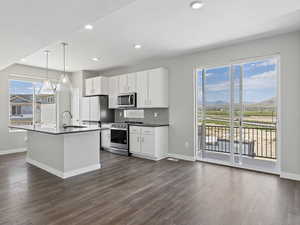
127, 83
152, 89
123, 84
89, 87
131, 82
113, 92
142, 89
158, 88
96, 86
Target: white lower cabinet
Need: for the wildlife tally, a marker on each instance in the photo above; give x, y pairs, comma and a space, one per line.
135, 143
105, 136
148, 142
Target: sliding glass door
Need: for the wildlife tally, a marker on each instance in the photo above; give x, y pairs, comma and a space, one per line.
214, 131
237, 114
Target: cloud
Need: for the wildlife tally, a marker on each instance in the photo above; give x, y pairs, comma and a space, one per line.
258, 81
269, 62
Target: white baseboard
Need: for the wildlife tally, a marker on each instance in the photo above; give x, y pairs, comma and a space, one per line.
290, 176
60, 173
11, 151
82, 170
182, 157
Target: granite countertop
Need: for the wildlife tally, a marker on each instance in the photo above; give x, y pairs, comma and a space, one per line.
148, 125
57, 131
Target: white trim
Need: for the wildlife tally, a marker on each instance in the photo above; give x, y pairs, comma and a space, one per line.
278, 106
82, 170
11, 151
15, 130
182, 157
146, 156
195, 92
237, 166
60, 173
290, 176
30, 78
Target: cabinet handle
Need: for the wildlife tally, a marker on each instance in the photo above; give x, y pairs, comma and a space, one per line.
142, 139
138, 139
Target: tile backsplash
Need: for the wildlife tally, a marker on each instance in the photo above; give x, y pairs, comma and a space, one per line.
153, 116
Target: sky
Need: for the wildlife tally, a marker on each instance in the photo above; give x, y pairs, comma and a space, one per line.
259, 82
23, 87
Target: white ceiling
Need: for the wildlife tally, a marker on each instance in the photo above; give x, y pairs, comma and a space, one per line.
164, 28
27, 26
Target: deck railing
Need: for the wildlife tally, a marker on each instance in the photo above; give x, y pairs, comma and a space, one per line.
258, 142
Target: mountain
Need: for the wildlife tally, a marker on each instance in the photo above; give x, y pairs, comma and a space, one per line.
218, 102
266, 103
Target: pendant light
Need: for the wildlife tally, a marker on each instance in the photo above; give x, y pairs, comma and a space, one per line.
64, 82
47, 86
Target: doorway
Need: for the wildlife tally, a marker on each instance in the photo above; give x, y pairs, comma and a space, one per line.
237, 114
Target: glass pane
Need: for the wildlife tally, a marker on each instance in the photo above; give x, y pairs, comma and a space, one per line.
217, 105
45, 106
21, 102
259, 120
200, 109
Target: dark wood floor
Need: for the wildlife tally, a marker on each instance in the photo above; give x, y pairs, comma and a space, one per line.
135, 191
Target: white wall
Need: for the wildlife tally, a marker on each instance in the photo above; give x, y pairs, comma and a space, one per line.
181, 91
15, 140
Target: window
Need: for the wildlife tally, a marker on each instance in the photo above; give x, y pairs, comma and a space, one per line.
21, 102
29, 106
237, 113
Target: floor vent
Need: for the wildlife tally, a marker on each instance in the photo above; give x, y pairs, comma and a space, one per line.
173, 159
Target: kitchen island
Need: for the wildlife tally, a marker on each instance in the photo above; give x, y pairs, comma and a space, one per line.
64, 152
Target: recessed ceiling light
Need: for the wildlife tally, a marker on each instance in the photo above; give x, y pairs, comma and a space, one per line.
137, 46
23, 60
88, 27
196, 5
96, 59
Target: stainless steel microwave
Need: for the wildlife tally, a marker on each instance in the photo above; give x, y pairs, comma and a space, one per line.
127, 100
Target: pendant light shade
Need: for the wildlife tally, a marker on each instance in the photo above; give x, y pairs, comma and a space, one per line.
48, 87
64, 81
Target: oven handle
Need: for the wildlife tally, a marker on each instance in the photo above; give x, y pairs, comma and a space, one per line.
118, 129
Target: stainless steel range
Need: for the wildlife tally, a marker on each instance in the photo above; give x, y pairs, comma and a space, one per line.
119, 138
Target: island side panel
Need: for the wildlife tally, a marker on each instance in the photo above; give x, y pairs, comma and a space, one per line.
82, 152
46, 151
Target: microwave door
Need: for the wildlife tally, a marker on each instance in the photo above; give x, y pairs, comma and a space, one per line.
124, 100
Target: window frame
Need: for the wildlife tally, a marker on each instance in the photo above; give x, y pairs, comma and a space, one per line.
15, 78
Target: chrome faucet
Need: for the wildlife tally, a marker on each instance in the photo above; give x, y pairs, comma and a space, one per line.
64, 116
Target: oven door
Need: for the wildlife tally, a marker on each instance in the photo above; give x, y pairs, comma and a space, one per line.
119, 138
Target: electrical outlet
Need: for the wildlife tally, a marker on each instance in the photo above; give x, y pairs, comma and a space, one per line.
155, 114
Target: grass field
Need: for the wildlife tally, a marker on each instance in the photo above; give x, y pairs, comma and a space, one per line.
215, 117
246, 113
